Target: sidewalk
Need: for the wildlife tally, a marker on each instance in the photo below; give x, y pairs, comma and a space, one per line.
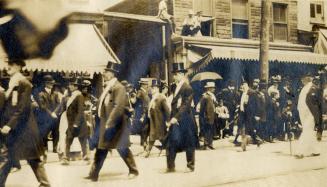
269, 165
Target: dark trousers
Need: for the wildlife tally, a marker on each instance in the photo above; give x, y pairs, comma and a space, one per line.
55, 135
101, 154
36, 165
84, 146
145, 132
171, 156
208, 131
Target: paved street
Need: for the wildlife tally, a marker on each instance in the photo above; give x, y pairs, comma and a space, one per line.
269, 165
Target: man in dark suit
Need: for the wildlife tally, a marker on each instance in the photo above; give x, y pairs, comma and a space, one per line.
113, 130
252, 114
19, 127
182, 135
230, 97
159, 115
49, 103
141, 111
314, 101
207, 114
76, 122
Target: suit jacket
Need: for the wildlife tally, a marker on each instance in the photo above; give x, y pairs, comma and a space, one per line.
2, 99
253, 107
184, 135
159, 114
207, 109
23, 141
113, 131
314, 101
231, 100
47, 104
75, 115
142, 104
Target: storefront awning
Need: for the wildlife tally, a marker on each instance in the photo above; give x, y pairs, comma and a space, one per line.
252, 54
83, 51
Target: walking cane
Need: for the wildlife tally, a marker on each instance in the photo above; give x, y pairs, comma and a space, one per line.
290, 138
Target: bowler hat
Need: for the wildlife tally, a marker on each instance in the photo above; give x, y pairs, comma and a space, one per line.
48, 79
155, 83
179, 67
19, 62
73, 80
113, 67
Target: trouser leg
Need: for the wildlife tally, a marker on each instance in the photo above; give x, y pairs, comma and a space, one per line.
190, 158
171, 156
99, 158
85, 148
127, 156
69, 141
5, 166
16, 164
55, 136
149, 146
39, 172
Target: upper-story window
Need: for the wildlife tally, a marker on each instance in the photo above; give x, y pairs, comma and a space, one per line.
280, 22
203, 5
207, 20
316, 12
240, 22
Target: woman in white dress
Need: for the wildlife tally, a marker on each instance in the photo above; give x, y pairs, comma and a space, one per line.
307, 145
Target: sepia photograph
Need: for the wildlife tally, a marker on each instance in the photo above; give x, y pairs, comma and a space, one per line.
163, 93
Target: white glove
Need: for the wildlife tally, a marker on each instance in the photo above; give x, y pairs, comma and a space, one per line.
5, 130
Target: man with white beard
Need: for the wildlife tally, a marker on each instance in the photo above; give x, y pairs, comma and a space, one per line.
307, 145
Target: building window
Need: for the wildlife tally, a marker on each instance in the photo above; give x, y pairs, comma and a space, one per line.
240, 23
280, 22
316, 12
203, 5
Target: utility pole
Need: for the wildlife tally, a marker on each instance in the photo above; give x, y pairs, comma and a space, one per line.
264, 40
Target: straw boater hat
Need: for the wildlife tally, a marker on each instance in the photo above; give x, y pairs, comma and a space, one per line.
144, 81
256, 80
190, 12
210, 85
179, 67
86, 83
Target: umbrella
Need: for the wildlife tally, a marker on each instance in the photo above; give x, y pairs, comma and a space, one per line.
206, 76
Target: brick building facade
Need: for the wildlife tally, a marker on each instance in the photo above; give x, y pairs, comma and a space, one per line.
224, 18
283, 21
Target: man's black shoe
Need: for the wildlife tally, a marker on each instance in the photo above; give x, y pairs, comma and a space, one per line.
170, 170
92, 178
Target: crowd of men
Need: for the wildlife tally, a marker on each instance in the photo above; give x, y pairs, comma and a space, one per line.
266, 113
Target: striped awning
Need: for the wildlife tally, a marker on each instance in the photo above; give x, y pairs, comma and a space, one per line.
83, 51
252, 54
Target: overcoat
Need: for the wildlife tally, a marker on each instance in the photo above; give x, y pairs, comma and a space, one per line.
314, 101
75, 116
183, 135
23, 140
113, 130
159, 115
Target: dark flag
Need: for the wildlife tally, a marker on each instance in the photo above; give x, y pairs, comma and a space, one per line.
32, 29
